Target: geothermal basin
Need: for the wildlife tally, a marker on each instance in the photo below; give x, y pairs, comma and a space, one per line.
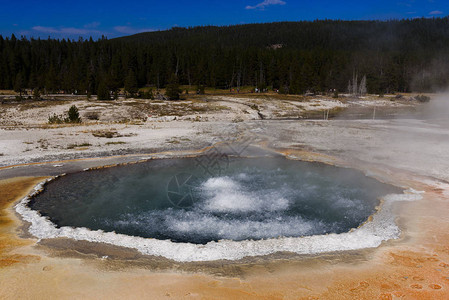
188, 209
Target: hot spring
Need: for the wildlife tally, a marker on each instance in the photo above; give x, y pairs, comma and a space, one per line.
185, 202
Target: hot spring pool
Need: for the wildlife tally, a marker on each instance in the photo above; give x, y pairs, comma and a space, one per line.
246, 199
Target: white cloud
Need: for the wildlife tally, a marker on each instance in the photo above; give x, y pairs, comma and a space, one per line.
266, 3
131, 30
436, 12
73, 30
66, 30
91, 29
45, 29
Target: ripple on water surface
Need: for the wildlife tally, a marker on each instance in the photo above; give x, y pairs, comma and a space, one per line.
241, 199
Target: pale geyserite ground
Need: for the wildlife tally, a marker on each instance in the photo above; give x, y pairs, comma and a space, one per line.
412, 152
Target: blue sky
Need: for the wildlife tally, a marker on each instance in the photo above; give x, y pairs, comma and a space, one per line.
112, 18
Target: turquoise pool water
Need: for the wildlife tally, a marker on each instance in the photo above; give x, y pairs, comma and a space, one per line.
182, 201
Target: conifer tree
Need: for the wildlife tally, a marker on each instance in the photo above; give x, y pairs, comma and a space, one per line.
172, 91
51, 80
315, 56
73, 115
19, 84
36, 94
131, 87
103, 91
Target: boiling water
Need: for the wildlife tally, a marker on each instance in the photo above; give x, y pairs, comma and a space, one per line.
184, 200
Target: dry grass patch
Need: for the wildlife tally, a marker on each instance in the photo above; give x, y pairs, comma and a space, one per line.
83, 145
115, 143
109, 134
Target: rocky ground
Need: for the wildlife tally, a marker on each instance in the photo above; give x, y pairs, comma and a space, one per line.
141, 126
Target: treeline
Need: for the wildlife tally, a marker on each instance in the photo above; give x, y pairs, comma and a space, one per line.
295, 57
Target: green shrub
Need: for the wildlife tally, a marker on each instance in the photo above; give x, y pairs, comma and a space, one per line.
55, 119
73, 115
